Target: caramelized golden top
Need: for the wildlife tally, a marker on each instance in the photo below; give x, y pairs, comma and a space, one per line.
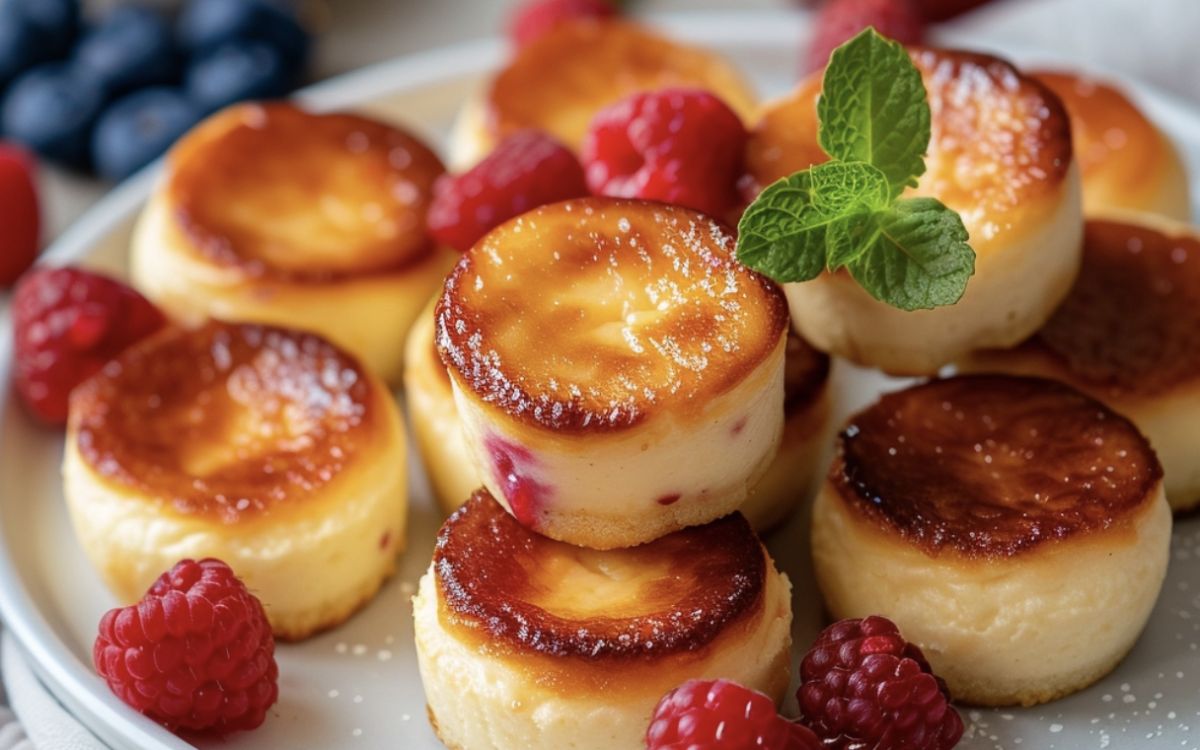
559, 82
592, 314
271, 189
1131, 323
1114, 142
993, 466
1001, 140
673, 595
227, 421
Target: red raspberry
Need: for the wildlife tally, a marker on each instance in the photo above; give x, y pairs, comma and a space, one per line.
19, 216
535, 18
723, 715
196, 653
840, 21
67, 324
681, 146
863, 685
528, 169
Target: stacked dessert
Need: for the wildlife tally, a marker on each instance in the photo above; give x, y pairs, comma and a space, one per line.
619, 379
592, 78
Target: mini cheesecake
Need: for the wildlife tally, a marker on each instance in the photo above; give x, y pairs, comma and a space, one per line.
617, 373
562, 647
429, 399
1129, 335
1001, 157
272, 214
1127, 164
451, 470
270, 449
560, 81
792, 475
1014, 528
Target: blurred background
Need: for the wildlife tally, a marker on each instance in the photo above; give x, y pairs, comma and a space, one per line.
94, 89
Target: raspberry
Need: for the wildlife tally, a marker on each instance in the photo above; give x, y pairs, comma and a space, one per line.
195, 654
67, 324
723, 715
528, 169
681, 146
863, 685
18, 213
535, 18
840, 20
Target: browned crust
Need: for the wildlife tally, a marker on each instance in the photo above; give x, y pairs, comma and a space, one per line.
437, 730
134, 420
1131, 324
502, 335
984, 111
993, 466
717, 581
280, 152
559, 81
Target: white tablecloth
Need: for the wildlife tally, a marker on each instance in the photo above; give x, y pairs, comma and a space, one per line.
1150, 39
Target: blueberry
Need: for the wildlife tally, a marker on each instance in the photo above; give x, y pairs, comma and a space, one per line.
140, 127
131, 48
55, 21
206, 24
237, 71
51, 109
18, 44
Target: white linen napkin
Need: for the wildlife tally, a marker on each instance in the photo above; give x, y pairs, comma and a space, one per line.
44, 724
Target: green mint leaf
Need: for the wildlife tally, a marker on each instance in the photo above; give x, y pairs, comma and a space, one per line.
873, 108
815, 219
919, 257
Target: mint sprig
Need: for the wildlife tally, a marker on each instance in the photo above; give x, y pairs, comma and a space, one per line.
846, 213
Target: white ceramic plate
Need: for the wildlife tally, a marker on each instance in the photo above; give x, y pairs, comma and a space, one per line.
358, 686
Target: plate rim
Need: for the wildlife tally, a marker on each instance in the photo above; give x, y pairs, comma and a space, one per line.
70, 680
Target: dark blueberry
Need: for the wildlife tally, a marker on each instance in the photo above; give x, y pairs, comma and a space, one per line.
139, 128
55, 21
205, 25
18, 44
237, 71
51, 109
131, 48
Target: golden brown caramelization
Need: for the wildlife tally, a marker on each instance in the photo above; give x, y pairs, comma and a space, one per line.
993, 465
1110, 134
559, 82
593, 314
676, 594
228, 421
1001, 140
1131, 324
1124, 160
273, 190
